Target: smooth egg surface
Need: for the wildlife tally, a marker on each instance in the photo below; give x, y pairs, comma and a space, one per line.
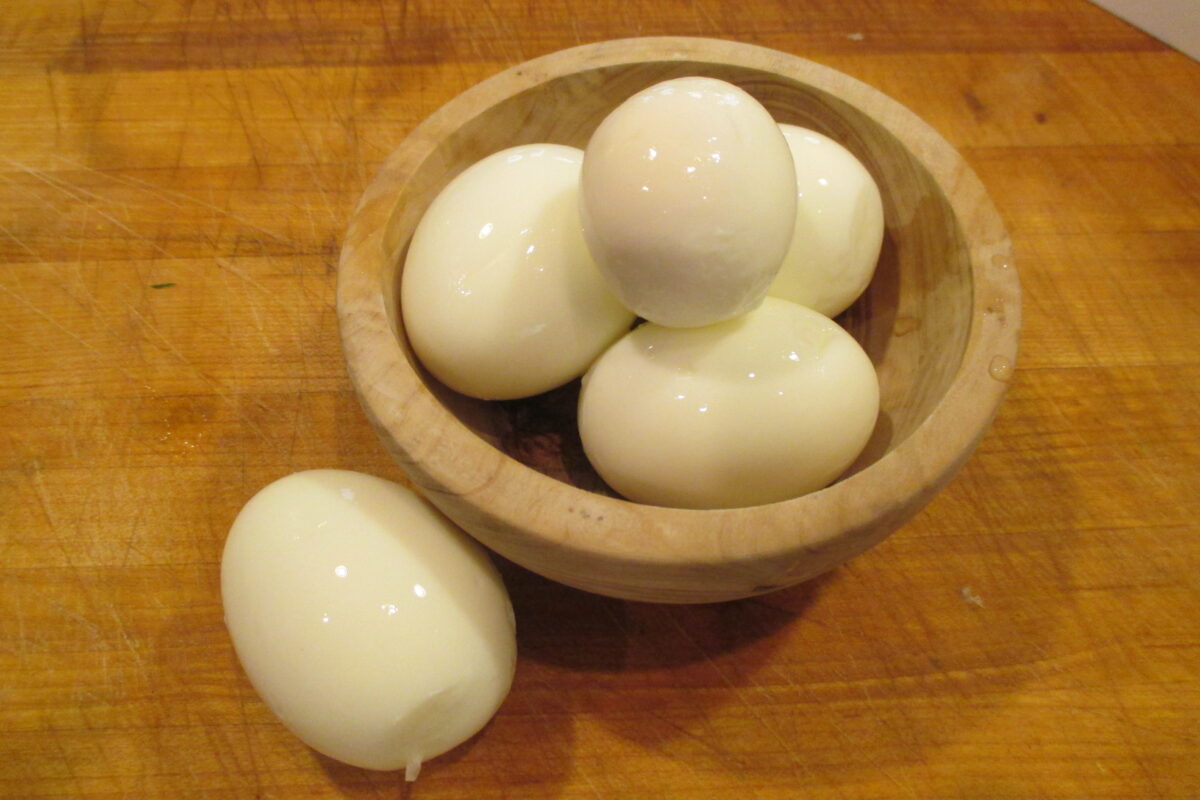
838, 226
500, 296
762, 408
688, 201
377, 631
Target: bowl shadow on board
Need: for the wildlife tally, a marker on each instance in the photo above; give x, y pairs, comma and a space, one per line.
650, 672
571, 643
564, 627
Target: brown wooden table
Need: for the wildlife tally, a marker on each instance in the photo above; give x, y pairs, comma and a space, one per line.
174, 181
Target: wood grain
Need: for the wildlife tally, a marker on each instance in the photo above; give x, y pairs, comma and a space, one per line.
1032, 633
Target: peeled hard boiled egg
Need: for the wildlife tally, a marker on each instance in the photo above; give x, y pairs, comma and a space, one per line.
500, 296
378, 632
838, 226
689, 199
754, 410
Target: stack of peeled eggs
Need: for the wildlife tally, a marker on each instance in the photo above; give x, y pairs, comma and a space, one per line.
381, 634
730, 240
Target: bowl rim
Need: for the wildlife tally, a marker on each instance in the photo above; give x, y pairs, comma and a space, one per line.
495, 489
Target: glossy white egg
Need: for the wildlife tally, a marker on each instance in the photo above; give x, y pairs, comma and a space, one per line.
762, 408
500, 296
377, 631
688, 201
838, 227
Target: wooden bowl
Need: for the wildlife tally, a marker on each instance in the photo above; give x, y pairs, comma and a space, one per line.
940, 321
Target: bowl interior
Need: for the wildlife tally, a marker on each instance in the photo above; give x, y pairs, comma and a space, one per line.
913, 320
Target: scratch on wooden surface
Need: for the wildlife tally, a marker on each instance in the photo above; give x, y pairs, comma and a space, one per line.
186, 120
85, 588
133, 534
241, 118
793, 757
247, 729
264, 340
547, 735
570, 11
164, 194
900, 724
503, 33
727, 758
21, 244
22, 641
64, 758
92, 629
227, 266
840, 732
84, 37
33, 472
466, 24
314, 159
355, 165
142, 670
98, 19
69, 189
81, 237
591, 784
219, 388
152, 328
78, 194
54, 107
185, 28
403, 16
1129, 728
105, 673
389, 46
1118, 717
299, 30
905, 785
703, 14
298, 403
91, 305
78, 339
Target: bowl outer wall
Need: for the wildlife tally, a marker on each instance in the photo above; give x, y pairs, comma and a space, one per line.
614, 547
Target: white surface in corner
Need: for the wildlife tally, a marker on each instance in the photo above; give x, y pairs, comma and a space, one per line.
1176, 22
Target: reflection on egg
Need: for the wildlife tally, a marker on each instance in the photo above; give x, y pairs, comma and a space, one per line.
378, 632
688, 199
838, 227
499, 294
763, 408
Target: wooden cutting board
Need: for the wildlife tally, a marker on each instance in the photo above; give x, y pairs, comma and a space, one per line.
175, 178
